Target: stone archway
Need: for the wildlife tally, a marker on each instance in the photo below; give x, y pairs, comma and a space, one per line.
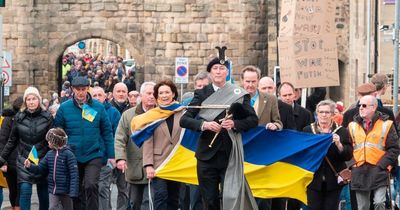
56, 50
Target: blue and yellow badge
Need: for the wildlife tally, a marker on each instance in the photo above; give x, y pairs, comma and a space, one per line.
88, 113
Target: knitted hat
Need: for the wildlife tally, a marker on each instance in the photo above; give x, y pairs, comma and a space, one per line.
57, 137
32, 91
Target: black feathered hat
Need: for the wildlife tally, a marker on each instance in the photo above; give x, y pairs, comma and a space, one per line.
219, 60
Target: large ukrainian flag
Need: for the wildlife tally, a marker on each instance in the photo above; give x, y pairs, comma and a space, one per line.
277, 163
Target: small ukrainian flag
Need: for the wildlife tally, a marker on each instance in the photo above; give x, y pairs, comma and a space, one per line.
33, 156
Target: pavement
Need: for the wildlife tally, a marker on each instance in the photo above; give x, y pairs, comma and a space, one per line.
35, 203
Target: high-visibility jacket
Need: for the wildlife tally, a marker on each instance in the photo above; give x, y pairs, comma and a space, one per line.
369, 147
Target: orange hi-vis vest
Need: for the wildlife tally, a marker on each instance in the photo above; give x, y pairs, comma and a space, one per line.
369, 147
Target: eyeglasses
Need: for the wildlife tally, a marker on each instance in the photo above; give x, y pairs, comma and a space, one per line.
364, 105
324, 112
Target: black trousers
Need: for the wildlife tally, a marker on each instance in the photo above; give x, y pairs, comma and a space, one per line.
89, 174
285, 204
166, 194
211, 174
11, 177
264, 203
323, 199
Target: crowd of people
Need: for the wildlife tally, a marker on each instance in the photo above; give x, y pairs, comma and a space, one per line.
83, 139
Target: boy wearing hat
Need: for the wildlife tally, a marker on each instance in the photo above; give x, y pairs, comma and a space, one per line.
62, 169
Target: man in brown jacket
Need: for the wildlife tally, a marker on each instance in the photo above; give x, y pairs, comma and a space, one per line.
128, 156
265, 105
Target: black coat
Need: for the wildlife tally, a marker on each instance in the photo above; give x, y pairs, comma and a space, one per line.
312, 100
302, 117
29, 130
120, 107
5, 132
222, 142
335, 157
287, 117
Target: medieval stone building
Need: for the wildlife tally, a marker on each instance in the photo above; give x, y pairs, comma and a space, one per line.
37, 32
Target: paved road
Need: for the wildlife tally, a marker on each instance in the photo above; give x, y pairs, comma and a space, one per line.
35, 204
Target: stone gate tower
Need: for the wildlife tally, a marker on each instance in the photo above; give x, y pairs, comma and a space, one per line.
153, 31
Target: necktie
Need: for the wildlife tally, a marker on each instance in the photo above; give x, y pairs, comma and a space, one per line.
367, 125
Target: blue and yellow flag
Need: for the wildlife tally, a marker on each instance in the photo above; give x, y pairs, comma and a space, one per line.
88, 113
277, 163
33, 156
143, 126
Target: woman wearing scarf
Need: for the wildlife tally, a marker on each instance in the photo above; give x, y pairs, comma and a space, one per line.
166, 134
324, 191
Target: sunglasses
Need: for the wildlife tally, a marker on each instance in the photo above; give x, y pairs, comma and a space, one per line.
363, 105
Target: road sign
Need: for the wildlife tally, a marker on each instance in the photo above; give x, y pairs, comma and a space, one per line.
7, 67
82, 45
181, 70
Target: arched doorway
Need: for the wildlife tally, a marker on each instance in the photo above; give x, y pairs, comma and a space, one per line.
115, 39
94, 59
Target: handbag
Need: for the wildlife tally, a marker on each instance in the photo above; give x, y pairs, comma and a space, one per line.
344, 176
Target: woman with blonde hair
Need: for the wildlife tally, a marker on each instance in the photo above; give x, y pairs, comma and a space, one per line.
29, 134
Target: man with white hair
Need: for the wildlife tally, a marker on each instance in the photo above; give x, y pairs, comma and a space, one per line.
376, 149
128, 156
133, 98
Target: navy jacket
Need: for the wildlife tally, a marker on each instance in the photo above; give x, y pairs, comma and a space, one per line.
61, 168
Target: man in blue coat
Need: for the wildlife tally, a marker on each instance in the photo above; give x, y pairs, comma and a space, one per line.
90, 137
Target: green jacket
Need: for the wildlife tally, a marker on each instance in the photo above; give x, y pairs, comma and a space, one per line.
125, 149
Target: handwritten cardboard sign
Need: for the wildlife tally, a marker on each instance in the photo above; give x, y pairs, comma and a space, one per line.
309, 61
307, 43
307, 17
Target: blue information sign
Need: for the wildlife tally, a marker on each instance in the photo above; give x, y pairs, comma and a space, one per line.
81, 45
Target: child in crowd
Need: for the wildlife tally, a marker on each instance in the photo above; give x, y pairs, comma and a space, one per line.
62, 169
